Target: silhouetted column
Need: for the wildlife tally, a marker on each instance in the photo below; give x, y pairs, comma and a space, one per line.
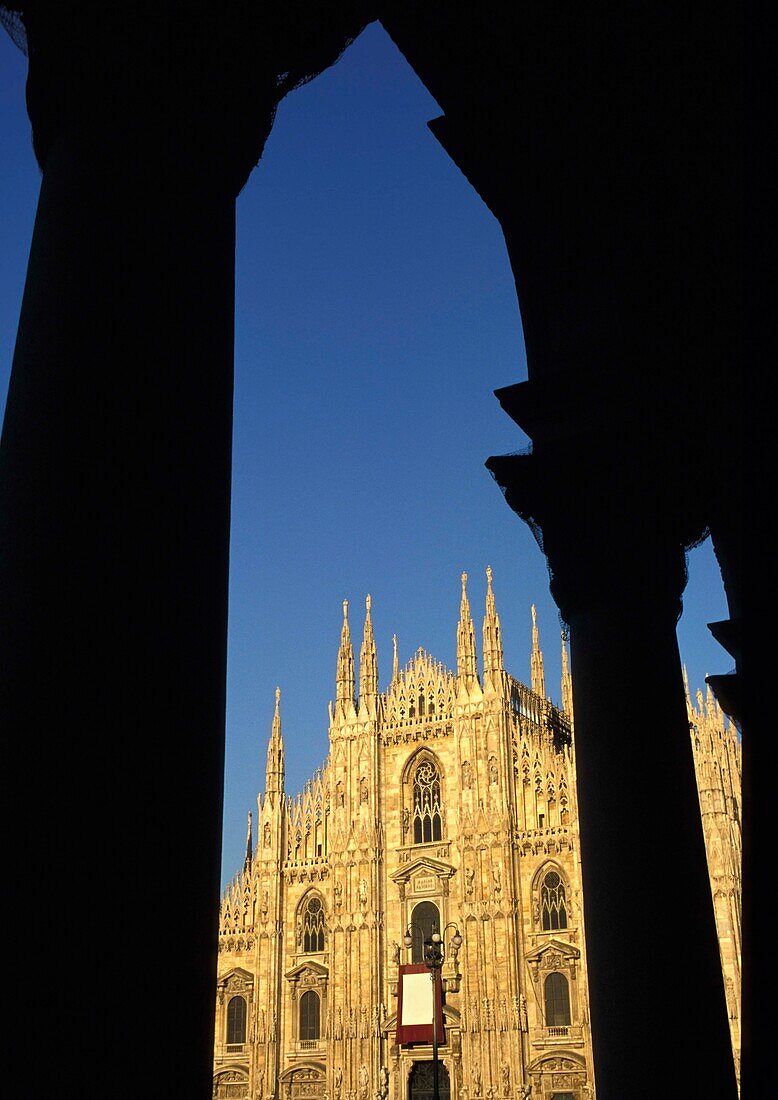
115, 476
115, 498
618, 571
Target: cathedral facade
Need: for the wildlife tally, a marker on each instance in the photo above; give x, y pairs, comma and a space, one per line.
447, 802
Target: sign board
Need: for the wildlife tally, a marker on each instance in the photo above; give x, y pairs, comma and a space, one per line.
415, 1004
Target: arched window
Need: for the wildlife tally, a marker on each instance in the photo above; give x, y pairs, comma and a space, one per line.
424, 919
313, 925
310, 1016
553, 902
421, 1082
427, 814
557, 998
236, 1021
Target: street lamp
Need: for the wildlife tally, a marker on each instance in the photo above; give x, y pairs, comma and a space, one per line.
434, 957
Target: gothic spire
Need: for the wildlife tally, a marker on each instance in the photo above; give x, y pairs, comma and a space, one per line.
249, 845
274, 774
344, 699
368, 660
395, 665
567, 683
466, 656
536, 662
687, 693
492, 633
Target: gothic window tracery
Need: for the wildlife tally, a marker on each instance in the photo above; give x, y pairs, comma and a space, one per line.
313, 925
427, 813
553, 902
236, 1021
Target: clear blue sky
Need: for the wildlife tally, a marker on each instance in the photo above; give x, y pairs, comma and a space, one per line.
376, 313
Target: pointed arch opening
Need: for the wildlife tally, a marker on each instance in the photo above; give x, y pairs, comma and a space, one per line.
311, 926
552, 900
424, 780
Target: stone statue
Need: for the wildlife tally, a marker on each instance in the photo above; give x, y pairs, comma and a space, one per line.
338, 1082
467, 775
383, 1083
364, 1083
395, 953
363, 893
338, 895
476, 1081
505, 1073
469, 879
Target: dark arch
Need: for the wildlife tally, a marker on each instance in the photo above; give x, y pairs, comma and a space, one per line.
236, 1021
424, 918
310, 1015
556, 994
420, 1082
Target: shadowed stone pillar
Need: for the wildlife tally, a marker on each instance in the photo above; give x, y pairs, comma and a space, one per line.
615, 546
115, 502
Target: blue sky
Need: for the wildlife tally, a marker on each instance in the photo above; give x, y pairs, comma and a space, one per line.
375, 315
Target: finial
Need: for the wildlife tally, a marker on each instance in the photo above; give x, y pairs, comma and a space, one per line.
368, 603
345, 609
466, 656
278, 696
538, 679
489, 578
395, 665
249, 845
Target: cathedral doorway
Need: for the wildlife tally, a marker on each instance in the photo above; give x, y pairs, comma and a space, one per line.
420, 1082
424, 919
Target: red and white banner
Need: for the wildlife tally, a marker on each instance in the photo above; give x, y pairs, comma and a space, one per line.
414, 1005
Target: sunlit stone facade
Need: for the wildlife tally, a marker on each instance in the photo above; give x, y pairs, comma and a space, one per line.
449, 798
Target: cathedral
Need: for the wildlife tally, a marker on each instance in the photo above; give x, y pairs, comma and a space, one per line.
447, 803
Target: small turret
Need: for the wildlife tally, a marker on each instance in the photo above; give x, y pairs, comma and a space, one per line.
274, 773
249, 846
368, 665
492, 634
344, 699
687, 693
567, 682
467, 669
538, 676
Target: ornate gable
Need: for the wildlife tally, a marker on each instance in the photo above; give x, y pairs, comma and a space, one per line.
423, 691
237, 981
313, 969
554, 954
